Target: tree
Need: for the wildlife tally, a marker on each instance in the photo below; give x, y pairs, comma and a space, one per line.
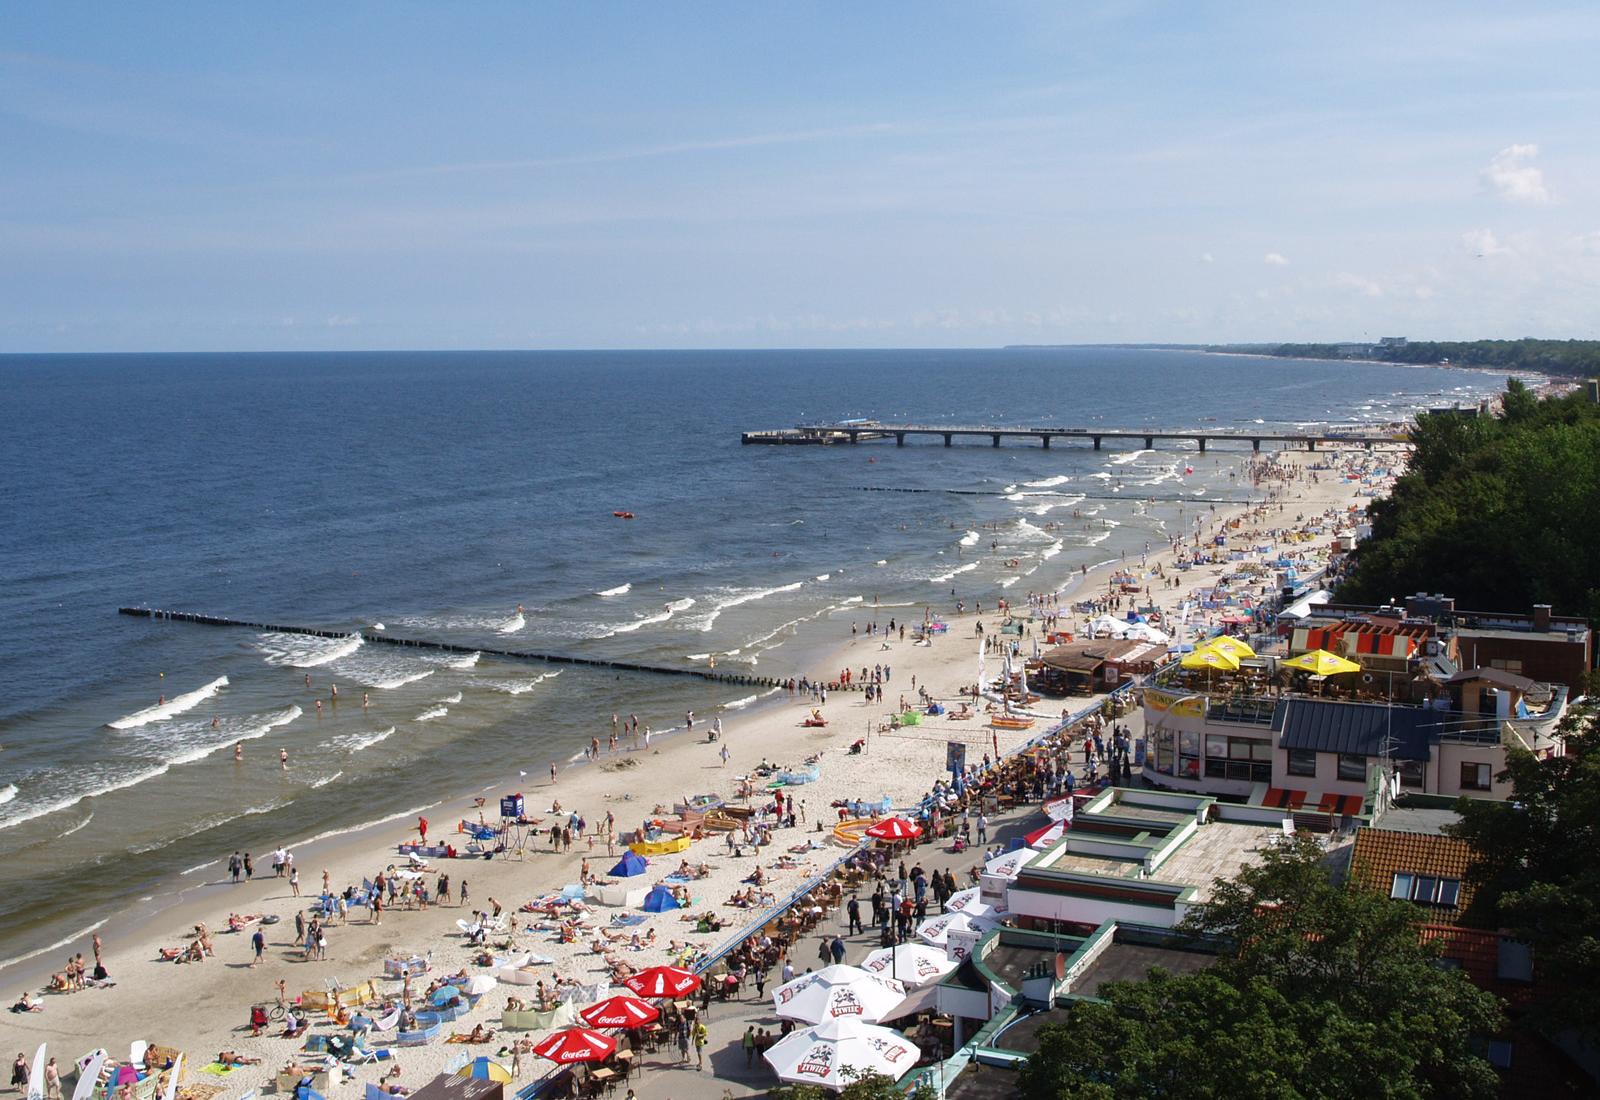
1538, 871
1327, 991
865, 1086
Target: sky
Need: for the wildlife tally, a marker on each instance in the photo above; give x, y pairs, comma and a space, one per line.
610, 175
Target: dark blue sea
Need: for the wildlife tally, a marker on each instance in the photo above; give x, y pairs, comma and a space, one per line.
435, 493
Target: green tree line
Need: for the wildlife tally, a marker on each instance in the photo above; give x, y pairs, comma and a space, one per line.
1568, 357
1499, 512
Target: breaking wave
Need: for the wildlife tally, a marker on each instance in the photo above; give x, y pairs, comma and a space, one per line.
172, 707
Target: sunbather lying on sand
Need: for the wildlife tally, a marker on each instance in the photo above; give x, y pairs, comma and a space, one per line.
479, 1034
234, 1058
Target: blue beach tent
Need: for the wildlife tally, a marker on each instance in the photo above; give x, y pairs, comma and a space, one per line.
632, 863
659, 900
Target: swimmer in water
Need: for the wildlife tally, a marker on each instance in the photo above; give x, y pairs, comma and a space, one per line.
334, 690
238, 750
283, 757
215, 721
319, 706
363, 699
308, 679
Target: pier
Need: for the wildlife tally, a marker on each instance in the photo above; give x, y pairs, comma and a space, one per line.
379, 637
860, 431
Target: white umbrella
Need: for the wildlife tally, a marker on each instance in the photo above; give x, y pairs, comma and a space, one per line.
910, 964
961, 900
836, 992
1009, 865
936, 930
478, 985
819, 1055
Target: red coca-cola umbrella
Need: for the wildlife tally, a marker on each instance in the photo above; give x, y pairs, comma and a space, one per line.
623, 1011
894, 828
576, 1044
663, 981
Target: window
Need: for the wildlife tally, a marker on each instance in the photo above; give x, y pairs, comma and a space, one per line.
1243, 759
1475, 777
1163, 746
1352, 767
1515, 962
1411, 773
1514, 666
1426, 889
1303, 762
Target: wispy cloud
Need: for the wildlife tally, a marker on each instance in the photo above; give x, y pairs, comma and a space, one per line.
1361, 285
1483, 242
1275, 259
1512, 177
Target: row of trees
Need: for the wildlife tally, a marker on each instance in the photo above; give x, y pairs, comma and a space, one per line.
1567, 357
1499, 512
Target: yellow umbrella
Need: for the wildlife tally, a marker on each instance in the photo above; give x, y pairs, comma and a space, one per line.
485, 1069
1319, 662
1232, 646
1210, 659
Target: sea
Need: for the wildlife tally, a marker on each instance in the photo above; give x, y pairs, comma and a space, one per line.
435, 494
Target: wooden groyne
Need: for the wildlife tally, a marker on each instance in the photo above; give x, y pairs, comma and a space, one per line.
379, 637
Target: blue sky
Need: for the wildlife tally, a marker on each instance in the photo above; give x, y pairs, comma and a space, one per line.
193, 177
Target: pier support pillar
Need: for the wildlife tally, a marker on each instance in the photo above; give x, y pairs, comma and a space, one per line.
1255, 445
1202, 441
1097, 443
996, 438
1149, 442
899, 439
1311, 444
947, 439
855, 437
1045, 439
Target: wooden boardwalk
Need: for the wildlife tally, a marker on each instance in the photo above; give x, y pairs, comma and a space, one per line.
860, 431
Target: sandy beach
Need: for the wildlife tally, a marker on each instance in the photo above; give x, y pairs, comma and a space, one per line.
202, 1008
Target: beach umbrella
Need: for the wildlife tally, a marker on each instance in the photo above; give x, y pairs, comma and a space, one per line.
1211, 660
1008, 866
961, 900
620, 1011
484, 1068
894, 828
838, 991
910, 964
659, 900
833, 1054
1226, 643
663, 981
575, 1044
936, 930
1319, 662
631, 864
479, 984
1046, 835
445, 994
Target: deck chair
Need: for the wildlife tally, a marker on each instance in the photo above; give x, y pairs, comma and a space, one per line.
136, 1052
416, 862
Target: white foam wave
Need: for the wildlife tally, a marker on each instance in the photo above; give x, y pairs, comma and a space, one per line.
941, 578
740, 704
859, 599
305, 650
132, 779
697, 657
200, 866
517, 687
513, 624
823, 576
355, 742
433, 712
1049, 482
77, 827
460, 664
452, 699
881, 561
620, 590
1052, 550
661, 616
7, 793
1028, 530
177, 705
1009, 581
970, 538
1129, 456
58, 945
326, 781
234, 730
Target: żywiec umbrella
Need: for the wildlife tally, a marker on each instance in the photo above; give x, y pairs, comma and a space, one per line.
936, 930
620, 1011
819, 1055
575, 1044
663, 981
894, 828
910, 964
835, 992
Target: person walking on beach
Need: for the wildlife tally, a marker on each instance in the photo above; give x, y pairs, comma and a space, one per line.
52, 1081
249, 868
235, 867
258, 944
724, 755
552, 771
98, 964
294, 881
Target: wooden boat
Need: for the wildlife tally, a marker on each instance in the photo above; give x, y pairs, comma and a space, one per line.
1010, 722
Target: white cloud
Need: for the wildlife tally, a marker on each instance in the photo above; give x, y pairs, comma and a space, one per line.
1483, 242
339, 320
1276, 259
1513, 178
1357, 283
1588, 243
1207, 258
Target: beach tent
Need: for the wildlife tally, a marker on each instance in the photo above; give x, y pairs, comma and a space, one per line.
1319, 662
659, 900
629, 865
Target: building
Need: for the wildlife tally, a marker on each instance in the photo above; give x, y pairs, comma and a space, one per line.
1094, 665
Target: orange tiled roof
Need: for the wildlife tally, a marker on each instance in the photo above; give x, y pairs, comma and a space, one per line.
1380, 853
